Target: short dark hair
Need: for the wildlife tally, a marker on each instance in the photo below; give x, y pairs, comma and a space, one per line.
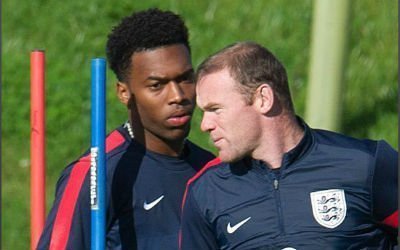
143, 30
250, 65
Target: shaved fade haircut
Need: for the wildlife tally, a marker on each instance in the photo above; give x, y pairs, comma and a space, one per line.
141, 31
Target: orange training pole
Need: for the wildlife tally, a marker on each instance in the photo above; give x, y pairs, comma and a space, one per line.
37, 145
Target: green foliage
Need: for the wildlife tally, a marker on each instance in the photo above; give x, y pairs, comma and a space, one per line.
73, 32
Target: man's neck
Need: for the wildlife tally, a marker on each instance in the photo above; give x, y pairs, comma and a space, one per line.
153, 142
280, 136
161, 146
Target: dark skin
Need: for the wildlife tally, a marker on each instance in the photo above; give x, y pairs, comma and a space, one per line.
160, 97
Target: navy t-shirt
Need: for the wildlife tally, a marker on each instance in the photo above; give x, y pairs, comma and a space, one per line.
144, 196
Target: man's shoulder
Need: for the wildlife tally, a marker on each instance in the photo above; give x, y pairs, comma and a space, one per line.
213, 170
115, 144
115, 140
337, 140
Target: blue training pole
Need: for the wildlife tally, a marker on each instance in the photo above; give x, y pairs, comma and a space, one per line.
97, 155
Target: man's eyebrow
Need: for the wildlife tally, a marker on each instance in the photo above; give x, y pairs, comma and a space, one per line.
210, 106
157, 78
163, 78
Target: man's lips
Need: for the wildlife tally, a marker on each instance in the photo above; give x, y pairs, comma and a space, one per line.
179, 120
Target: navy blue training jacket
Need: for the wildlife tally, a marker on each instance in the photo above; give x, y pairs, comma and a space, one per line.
331, 192
144, 197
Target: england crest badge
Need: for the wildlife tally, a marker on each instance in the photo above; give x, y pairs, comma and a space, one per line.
329, 207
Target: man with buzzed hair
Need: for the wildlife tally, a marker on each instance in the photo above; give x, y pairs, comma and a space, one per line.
148, 158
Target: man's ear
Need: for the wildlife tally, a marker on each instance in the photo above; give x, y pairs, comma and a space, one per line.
123, 92
264, 98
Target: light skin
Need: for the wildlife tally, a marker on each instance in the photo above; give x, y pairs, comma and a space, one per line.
160, 97
239, 129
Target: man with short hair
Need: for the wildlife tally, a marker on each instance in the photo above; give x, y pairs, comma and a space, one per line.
281, 184
148, 158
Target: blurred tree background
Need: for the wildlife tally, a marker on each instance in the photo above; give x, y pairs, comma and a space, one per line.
75, 31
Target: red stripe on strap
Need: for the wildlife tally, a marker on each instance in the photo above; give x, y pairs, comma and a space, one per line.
114, 140
63, 220
196, 176
207, 166
62, 223
392, 220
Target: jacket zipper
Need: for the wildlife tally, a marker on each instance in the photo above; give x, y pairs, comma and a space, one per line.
278, 204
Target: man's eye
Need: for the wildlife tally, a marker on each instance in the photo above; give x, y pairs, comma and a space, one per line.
155, 86
186, 78
190, 78
216, 110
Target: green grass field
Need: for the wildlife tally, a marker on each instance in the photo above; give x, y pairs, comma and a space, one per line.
74, 31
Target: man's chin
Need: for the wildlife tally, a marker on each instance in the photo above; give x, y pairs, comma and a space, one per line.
179, 134
223, 156
184, 131
229, 156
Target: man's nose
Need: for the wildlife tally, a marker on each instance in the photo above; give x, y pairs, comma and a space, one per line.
206, 124
176, 93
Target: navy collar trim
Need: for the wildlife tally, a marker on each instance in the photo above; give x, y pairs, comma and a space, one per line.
300, 149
